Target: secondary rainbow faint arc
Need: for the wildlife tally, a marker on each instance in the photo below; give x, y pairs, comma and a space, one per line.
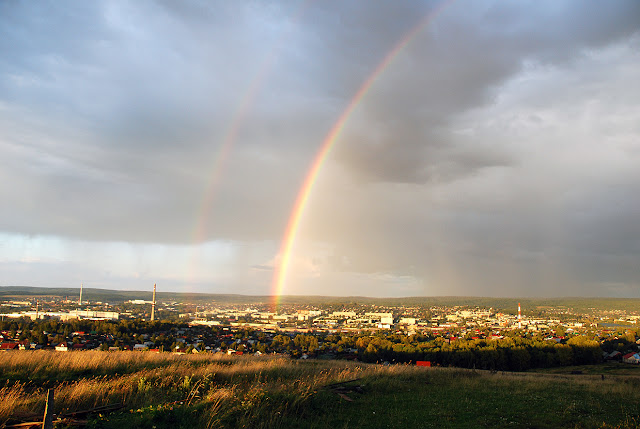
219, 162
247, 101
286, 249
199, 233
225, 149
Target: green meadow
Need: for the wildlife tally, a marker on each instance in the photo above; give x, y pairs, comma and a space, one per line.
153, 390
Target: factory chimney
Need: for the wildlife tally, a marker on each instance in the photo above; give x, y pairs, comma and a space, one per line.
153, 303
80, 301
519, 317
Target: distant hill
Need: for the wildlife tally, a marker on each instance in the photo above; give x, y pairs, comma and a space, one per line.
115, 296
509, 305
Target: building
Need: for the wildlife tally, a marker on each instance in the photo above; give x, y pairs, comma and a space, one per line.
8, 346
631, 358
62, 347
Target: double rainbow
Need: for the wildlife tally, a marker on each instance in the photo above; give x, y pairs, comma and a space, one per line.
286, 250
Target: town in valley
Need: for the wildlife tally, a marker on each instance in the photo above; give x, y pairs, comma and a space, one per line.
524, 333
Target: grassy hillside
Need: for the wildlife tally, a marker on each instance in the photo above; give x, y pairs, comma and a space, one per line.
173, 391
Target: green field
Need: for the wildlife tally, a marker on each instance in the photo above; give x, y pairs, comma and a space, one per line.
174, 391
612, 368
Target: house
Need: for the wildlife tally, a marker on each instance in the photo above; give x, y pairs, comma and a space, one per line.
8, 346
614, 355
62, 347
631, 358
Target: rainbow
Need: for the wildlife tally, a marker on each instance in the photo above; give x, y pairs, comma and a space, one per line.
286, 249
247, 101
219, 161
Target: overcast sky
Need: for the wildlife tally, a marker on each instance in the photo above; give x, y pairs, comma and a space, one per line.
497, 154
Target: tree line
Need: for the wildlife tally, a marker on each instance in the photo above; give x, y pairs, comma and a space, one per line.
516, 351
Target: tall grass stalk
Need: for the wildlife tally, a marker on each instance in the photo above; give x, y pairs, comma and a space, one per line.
237, 391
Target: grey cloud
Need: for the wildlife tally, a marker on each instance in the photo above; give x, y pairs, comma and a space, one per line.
458, 64
134, 104
113, 117
405, 158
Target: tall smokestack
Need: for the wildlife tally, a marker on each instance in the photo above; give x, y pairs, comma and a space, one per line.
37, 307
519, 317
80, 301
153, 303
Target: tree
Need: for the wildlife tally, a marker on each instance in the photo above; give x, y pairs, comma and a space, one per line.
564, 354
519, 359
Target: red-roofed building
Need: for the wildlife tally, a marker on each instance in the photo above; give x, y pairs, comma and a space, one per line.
8, 346
62, 347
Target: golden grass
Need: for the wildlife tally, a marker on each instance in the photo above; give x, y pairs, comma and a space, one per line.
220, 384
13, 400
41, 362
136, 379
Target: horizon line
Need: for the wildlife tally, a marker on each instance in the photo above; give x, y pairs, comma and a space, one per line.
322, 296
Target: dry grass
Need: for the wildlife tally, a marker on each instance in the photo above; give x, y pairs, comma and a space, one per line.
14, 401
244, 389
138, 379
41, 363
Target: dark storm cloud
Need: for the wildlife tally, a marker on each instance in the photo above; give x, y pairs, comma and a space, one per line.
454, 169
457, 64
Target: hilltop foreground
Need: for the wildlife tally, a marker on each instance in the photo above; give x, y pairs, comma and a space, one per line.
172, 391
